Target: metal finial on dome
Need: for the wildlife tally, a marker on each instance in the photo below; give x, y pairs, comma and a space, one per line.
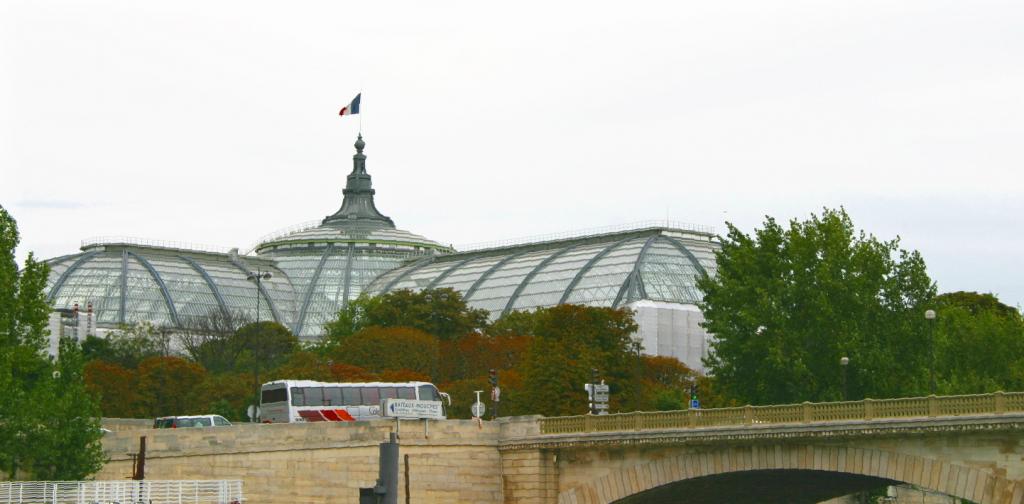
357, 208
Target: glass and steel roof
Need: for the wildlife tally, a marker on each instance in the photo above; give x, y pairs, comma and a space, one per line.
317, 268
132, 282
612, 269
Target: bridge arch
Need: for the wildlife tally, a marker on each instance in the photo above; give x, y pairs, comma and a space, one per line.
971, 483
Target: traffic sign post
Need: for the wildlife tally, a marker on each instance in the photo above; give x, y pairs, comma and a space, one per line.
478, 407
598, 394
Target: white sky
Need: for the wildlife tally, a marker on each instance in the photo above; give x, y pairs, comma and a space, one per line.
215, 122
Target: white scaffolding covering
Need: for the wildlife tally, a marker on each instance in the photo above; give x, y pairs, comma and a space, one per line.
122, 492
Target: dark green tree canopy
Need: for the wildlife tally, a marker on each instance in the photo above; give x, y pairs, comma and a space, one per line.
787, 303
439, 312
976, 303
568, 342
979, 344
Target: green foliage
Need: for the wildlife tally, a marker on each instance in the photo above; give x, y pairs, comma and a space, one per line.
463, 396
979, 344
23, 308
787, 303
68, 447
115, 386
569, 341
513, 323
976, 304
379, 349
264, 345
665, 384
129, 345
49, 425
225, 394
476, 354
439, 312
303, 365
163, 385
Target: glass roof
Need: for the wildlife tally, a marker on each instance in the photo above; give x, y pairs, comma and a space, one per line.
326, 278
616, 269
129, 284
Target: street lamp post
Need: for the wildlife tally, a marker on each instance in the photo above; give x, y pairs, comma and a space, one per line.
929, 315
844, 361
258, 276
637, 347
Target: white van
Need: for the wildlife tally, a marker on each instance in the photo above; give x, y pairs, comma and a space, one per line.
174, 422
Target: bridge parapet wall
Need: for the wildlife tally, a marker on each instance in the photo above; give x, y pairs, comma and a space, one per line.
456, 461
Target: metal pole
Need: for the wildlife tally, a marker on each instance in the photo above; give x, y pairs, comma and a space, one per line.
388, 481
929, 316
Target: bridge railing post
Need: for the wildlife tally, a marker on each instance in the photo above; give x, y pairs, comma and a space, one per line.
869, 408
933, 406
808, 414
1000, 402
691, 416
588, 423
748, 414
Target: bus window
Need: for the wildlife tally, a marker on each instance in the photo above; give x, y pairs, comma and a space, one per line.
371, 396
314, 396
350, 396
332, 396
406, 393
429, 393
298, 396
274, 396
388, 393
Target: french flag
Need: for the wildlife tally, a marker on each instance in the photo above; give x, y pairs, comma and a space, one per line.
351, 108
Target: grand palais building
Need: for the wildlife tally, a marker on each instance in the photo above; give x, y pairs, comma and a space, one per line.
316, 269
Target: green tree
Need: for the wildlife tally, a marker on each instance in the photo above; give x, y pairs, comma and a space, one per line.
379, 349
225, 394
569, 341
787, 303
979, 344
49, 425
265, 345
67, 448
129, 345
439, 312
164, 383
666, 384
115, 386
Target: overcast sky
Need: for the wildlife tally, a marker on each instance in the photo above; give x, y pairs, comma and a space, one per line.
216, 122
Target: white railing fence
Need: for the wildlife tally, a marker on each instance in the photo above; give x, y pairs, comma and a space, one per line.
122, 492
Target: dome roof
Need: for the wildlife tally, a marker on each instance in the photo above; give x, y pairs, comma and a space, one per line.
330, 262
333, 233
357, 221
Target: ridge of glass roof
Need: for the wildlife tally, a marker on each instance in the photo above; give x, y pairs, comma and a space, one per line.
602, 235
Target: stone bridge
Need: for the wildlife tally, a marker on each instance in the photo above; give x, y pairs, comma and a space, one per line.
968, 447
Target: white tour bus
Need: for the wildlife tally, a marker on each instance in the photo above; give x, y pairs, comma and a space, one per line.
284, 401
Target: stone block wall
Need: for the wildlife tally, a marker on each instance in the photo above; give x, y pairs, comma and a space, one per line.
452, 462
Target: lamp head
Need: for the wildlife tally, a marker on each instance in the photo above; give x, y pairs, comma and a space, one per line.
929, 314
